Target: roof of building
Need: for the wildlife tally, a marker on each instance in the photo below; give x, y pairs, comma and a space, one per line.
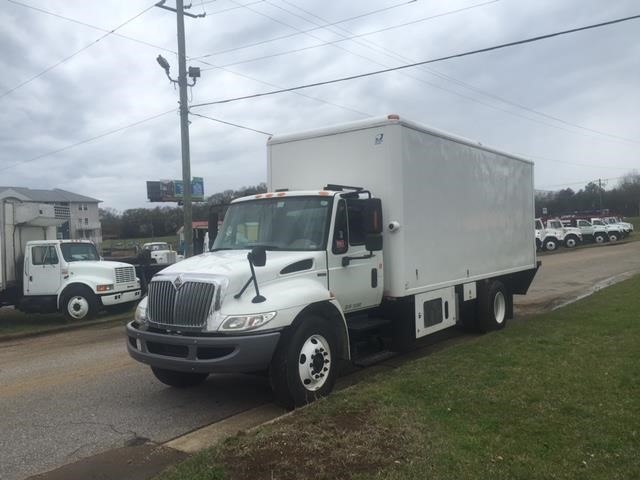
38, 195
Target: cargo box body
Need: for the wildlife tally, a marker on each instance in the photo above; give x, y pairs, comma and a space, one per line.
460, 211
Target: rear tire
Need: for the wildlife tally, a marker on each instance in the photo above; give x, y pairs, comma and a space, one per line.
79, 303
177, 379
493, 307
304, 366
614, 237
600, 238
571, 241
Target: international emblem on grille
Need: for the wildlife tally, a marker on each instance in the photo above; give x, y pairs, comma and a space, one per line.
177, 283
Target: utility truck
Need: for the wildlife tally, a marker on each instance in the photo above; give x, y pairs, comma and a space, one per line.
377, 232
160, 252
40, 274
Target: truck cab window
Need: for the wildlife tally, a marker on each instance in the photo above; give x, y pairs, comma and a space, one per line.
340, 243
355, 211
45, 255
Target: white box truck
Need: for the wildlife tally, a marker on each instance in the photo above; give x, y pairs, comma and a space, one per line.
41, 274
376, 229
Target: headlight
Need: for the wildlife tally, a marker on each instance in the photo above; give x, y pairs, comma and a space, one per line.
104, 288
141, 311
246, 322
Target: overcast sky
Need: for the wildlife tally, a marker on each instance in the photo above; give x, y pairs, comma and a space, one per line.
579, 92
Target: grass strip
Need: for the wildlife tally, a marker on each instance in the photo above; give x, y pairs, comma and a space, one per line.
15, 323
556, 396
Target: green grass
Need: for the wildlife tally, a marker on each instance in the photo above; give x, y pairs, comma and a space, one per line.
14, 322
125, 243
555, 396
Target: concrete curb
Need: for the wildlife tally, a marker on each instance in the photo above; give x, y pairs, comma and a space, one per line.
64, 328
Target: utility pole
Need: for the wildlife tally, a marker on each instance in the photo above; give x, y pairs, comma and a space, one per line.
600, 193
184, 115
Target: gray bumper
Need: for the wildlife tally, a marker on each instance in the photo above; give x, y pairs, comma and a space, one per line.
247, 353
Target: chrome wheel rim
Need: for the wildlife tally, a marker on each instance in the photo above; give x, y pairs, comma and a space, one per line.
78, 307
314, 362
499, 307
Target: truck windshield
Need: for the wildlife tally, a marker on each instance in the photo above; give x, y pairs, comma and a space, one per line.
280, 223
79, 252
157, 246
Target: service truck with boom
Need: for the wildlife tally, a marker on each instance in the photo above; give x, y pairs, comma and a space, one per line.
381, 229
41, 274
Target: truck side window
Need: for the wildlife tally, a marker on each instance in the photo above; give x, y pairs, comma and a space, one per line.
340, 243
356, 222
44, 255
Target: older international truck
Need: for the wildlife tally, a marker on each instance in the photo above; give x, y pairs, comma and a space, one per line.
39, 274
381, 229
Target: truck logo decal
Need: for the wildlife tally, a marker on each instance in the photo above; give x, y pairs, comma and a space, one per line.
379, 138
177, 283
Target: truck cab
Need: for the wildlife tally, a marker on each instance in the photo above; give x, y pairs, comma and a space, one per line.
69, 276
160, 252
624, 226
614, 231
594, 233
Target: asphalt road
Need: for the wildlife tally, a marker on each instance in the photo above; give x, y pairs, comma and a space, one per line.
68, 396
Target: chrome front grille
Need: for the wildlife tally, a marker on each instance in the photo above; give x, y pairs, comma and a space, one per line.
186, 306
125, 274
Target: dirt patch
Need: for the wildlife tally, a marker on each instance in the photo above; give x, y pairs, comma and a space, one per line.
344, 445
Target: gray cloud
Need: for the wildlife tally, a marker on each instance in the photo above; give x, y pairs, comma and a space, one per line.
589, 79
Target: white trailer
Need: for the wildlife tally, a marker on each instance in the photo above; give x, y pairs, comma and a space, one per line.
380, 228
41, 274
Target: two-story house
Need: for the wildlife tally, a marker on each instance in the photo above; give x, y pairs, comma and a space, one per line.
81, 211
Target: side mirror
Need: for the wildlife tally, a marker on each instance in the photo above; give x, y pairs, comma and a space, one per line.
372, 215
373, 242
258, 256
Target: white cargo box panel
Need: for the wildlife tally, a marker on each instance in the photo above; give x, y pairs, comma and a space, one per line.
465, 212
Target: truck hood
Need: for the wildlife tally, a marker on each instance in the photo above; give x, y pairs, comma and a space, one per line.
98, 268
234, 266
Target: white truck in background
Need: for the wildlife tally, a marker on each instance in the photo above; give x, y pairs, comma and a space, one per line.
627, 228
40, 274
614, 231
160, 253
590, 232
342, 250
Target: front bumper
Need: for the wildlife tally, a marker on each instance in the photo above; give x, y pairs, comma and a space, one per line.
121, 297
192, 353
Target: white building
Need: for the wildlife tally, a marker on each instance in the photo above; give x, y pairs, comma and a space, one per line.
81, 211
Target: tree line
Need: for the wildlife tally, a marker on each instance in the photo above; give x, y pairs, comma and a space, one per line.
623, 199
163, 221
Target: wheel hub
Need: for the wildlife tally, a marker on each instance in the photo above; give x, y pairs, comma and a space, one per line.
78, 307
314, 362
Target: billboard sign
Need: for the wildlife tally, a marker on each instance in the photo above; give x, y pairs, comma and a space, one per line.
173, 190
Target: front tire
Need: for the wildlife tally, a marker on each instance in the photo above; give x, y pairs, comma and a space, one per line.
550, 245
79, 303
614, 237
304, 366
177, 379
493, 307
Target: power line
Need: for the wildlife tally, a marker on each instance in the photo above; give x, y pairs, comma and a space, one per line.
424, 62
289, 35
321, 100
333, 42
48, 69
367, 44
87, 140
583, 182
232, 124
555, 160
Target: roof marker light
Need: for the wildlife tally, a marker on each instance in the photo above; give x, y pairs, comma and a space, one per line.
393, 116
